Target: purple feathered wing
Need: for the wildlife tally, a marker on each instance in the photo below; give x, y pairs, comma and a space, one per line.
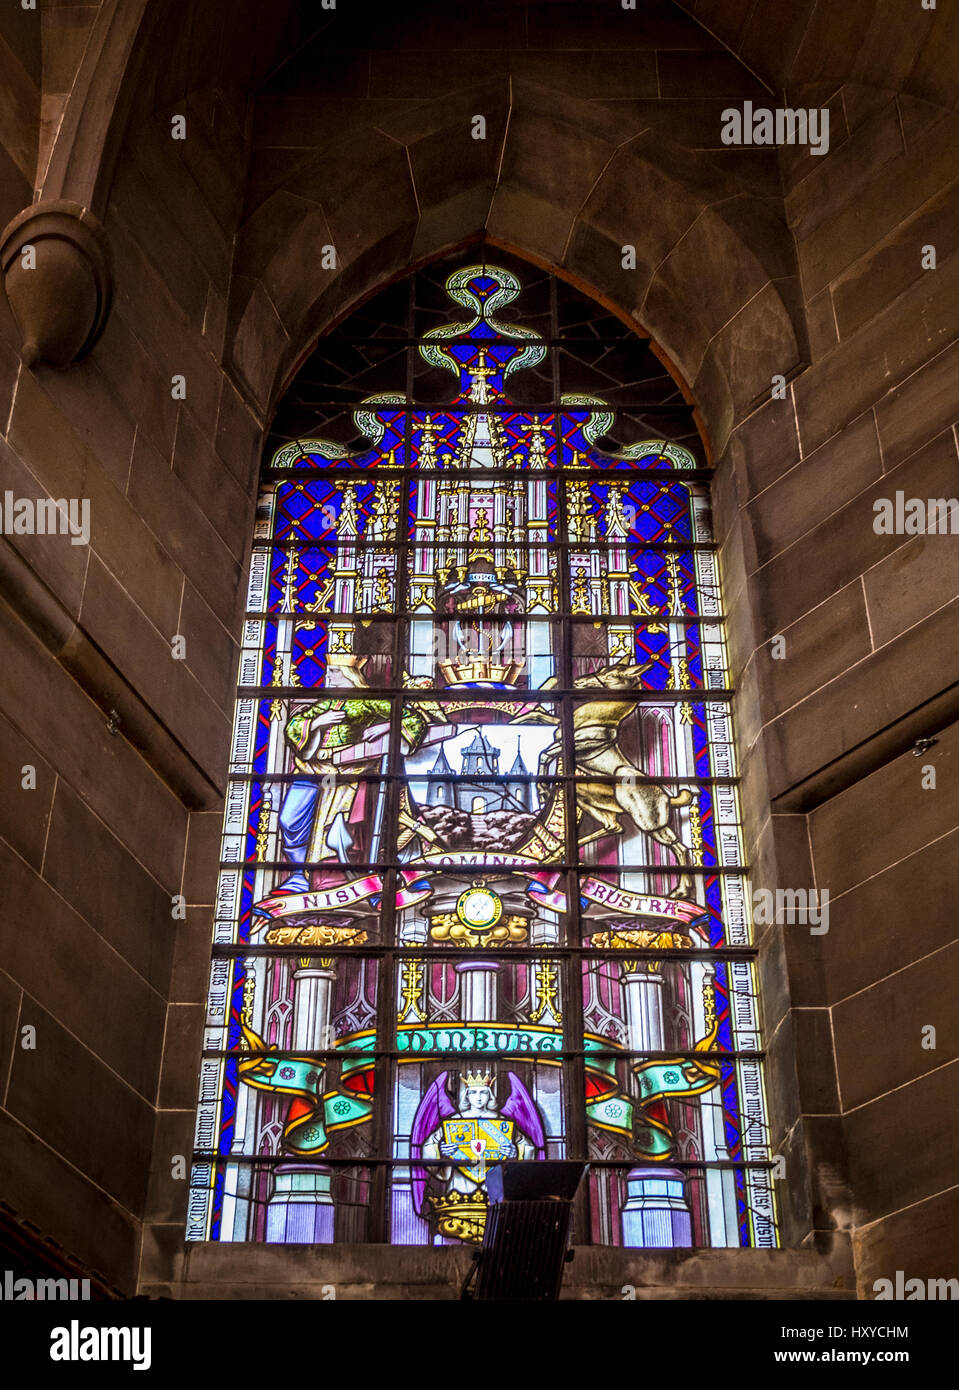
521, 1109
433, 1108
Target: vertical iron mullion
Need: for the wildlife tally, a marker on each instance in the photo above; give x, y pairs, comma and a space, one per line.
574, 1072
385, 1067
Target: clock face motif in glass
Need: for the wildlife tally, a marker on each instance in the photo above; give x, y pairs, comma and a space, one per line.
479, 908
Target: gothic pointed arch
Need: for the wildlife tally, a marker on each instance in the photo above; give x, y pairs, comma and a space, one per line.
484, 888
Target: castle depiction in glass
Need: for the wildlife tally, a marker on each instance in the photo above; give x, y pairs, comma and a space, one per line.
483, 895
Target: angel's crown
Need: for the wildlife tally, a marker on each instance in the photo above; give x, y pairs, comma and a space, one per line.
478, 1078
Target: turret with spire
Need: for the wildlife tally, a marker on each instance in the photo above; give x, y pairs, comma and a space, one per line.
517, 787
475, 789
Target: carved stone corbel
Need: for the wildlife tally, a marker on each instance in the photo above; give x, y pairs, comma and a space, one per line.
56, 272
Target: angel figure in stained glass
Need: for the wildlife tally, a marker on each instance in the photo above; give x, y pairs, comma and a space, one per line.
469, 1137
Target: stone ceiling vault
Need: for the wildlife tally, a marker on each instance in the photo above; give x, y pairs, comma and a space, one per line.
602, 132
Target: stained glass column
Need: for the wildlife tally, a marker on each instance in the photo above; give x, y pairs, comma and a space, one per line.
301, 1207
656, 1213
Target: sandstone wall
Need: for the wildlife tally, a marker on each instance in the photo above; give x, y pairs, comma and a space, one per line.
601, 132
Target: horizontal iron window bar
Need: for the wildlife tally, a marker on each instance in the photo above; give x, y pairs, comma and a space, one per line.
434, 866
558, 865
356, 463
492, 779
219, 1160
304, 618
225, 950
536, 1058
439, 615
383, 616
350, 467
415, 404
478, 696
524, 548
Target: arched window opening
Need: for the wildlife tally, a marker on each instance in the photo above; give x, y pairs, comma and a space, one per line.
483, 895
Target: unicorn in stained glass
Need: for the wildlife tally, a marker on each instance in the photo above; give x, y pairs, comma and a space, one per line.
597, 751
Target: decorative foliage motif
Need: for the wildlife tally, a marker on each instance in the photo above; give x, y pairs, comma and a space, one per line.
483, 896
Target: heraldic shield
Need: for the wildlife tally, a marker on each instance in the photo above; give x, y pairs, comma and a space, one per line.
479, 1141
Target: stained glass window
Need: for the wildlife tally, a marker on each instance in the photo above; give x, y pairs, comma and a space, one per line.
482, 893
